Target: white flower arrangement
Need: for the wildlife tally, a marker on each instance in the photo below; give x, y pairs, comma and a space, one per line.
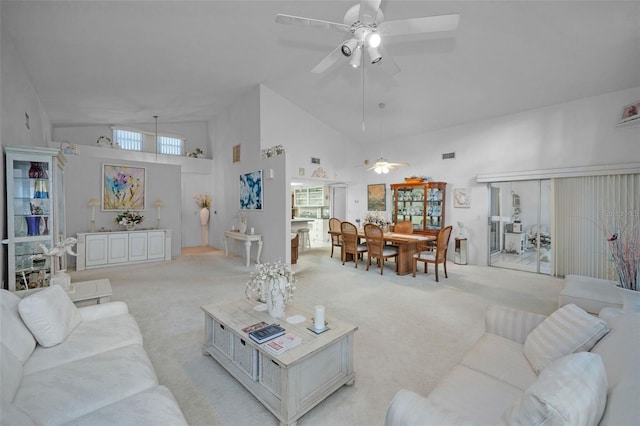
129, 217
267, 273
375, 218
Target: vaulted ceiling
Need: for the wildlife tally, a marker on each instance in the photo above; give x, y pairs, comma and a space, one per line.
119, 62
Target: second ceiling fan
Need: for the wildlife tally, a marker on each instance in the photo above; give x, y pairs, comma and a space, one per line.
365, 24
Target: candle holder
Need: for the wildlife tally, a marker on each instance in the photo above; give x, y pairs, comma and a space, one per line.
93, 202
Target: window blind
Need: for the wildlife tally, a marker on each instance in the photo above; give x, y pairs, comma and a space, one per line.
587, 210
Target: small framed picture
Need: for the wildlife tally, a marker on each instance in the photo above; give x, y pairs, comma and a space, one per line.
461, 198
630, 113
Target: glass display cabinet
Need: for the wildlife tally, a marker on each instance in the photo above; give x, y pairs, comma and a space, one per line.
35, 214
422, 204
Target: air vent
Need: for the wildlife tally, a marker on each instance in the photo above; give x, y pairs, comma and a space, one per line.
448, 155
315, 160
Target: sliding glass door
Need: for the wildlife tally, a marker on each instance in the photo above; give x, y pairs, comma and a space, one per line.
520, 225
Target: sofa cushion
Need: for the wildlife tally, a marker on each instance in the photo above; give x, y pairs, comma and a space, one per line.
619, 351
10, 374
87, 339
501, 358
155, 406
71, 390
569, 329
570, 391
409, 409
474, 395
50, 315
14, 334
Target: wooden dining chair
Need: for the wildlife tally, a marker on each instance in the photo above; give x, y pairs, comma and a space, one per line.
404, 227
439, 255
376, 247
336, 240
350, 244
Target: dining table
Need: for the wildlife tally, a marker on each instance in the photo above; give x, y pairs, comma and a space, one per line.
406, 243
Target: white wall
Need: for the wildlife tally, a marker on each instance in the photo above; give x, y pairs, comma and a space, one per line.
577, 133
18, 96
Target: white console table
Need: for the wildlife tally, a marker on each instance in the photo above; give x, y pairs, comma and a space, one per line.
248, 239
101, 249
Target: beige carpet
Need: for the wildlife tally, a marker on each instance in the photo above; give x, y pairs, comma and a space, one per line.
412, 331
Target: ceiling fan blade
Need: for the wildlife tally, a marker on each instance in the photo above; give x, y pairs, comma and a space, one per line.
428, 24
387, 64
368, 11
328, 61
397, 164
311, 23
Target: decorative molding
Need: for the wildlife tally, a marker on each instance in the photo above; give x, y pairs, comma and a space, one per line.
604, 169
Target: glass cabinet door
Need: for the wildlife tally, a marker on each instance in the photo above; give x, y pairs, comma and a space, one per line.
31, 174
410, 206
434, 208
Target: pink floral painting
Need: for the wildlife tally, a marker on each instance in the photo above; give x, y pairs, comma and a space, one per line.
123, 187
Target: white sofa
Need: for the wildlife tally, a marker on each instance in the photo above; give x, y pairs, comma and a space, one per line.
76, 366
495, 379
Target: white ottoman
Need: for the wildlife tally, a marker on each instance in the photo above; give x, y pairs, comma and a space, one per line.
591, 294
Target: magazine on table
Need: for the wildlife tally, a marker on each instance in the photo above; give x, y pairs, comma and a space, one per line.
256, 326
283, 343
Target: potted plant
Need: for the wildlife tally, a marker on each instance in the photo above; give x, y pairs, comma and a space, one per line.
273, 283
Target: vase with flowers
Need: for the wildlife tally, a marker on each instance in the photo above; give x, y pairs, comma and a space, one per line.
273, 283
624, 246
204, 202
129, 219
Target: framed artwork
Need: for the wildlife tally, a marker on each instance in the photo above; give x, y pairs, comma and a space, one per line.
461, 198
251, 191
377, 197
630, 113
123, 187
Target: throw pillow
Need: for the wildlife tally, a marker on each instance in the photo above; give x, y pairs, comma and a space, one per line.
50, 315
570, 391
569, 329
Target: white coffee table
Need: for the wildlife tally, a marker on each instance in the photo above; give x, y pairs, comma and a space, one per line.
289, 384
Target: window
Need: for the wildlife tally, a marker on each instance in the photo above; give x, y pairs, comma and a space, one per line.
144, 141
127, 139
170, 145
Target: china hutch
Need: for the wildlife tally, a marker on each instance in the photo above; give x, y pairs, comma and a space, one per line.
35, 214
422, 204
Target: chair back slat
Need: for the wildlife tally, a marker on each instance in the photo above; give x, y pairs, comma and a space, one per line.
404, 227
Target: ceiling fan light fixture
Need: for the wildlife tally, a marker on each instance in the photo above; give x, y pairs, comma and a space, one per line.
356, 57
349, 46
374, 54
373, 39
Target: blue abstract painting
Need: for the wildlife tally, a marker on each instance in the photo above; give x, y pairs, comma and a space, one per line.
251, 191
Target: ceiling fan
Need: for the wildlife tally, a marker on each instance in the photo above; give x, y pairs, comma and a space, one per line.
383, 166
365, 24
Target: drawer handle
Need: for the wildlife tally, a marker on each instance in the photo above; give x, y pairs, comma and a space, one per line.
275, 363
221, 326
243, 342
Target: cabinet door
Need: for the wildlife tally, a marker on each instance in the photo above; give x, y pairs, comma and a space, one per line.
118, 248
410, 205
96, 250
137, 246
155, 249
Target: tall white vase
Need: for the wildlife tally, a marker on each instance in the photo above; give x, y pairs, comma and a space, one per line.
204, 221
242, 226
275, 297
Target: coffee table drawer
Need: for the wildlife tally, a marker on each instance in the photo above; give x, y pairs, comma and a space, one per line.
222, 338
270, 374
245, 357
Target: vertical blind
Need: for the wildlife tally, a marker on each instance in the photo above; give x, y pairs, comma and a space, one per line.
587, 210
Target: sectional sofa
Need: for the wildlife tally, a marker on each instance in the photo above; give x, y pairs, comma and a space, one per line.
527, 369
63, 365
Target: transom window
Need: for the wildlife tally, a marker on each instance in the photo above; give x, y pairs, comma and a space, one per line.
139, 140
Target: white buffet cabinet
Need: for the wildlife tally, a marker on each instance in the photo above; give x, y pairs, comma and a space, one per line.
101, 249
